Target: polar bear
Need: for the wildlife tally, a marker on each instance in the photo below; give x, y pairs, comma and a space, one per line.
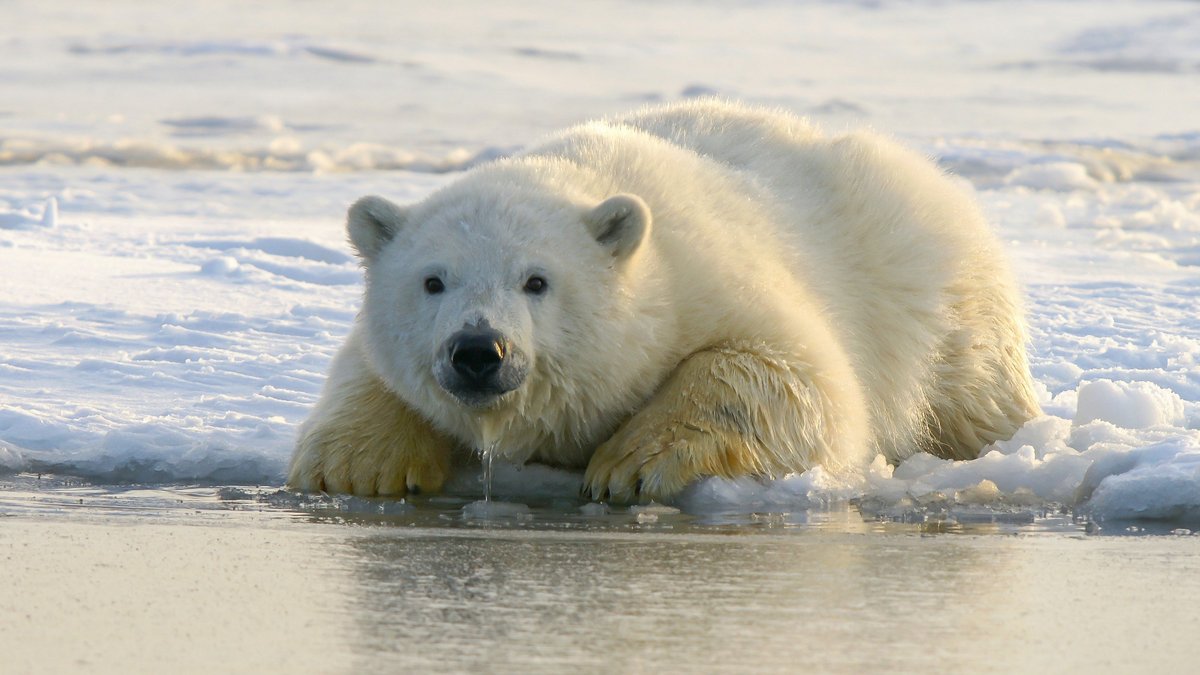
700, 289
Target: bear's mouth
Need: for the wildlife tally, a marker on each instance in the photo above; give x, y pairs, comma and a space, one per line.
478, 396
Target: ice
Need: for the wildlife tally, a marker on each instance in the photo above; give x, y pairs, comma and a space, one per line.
175, 277
815, 488
216, 124
10, 459
645, 514
1159, 482
222, 266
283, 48
1062, 176
28, 217
594, 510
1132, 405
1167, 44
490, 509
50, 213
275, 154
528, 483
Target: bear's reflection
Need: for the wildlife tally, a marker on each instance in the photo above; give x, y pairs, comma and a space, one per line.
544, 600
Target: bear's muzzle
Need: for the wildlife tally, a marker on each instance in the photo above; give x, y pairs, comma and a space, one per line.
482, 366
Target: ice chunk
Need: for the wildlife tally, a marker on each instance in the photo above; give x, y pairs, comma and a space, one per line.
493, 510
50, 213
222, 266
10, 458
1049, 215
594, 510
1131, 405
1158, 482
650, 513
1059, 176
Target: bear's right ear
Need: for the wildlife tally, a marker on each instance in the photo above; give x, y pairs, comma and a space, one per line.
371, 223
620, 223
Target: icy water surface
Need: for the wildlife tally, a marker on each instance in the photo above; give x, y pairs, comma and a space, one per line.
250, 580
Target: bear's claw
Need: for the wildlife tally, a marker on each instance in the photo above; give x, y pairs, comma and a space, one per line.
633, 467
396, 464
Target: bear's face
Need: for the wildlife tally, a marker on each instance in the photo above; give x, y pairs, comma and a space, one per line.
475, 298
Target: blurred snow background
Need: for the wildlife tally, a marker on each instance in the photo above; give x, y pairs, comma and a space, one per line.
173, 177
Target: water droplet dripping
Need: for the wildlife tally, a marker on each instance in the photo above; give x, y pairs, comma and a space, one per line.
487, 453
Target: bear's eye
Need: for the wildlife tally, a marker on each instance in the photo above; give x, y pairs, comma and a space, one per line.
535, 285
434, 285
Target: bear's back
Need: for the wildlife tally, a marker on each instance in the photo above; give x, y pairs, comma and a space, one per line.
734, 135
891, 246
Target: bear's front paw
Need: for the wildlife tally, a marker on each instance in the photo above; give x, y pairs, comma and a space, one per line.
651, 465
367, 467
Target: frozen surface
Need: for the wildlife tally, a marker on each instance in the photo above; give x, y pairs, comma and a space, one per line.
173, 177
179, 580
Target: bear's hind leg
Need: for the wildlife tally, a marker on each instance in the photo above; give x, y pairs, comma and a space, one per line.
983, 391
738, 410
983, 395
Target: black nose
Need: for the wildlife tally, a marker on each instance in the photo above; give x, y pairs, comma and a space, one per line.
477, 355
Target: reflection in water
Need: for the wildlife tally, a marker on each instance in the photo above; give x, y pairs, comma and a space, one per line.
155, 580
818, 600
481, 600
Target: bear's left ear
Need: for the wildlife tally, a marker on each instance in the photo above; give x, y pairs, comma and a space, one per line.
371, 223
620, 223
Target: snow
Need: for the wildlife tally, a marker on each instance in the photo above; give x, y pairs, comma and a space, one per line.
175, 277
1131, 405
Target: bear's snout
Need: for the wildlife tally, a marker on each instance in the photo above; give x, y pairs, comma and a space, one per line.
477, 355
479, 366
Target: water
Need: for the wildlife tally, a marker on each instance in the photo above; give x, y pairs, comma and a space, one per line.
487, 509
199, 579
487, 455
490, 428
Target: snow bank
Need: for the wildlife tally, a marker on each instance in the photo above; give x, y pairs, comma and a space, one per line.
1123, 457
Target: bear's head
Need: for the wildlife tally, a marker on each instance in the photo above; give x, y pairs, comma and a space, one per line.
496, 297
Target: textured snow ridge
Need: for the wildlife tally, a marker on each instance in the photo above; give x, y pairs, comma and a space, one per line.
287, 48
283, 153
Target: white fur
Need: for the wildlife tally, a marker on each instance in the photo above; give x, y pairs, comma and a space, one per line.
854, 265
